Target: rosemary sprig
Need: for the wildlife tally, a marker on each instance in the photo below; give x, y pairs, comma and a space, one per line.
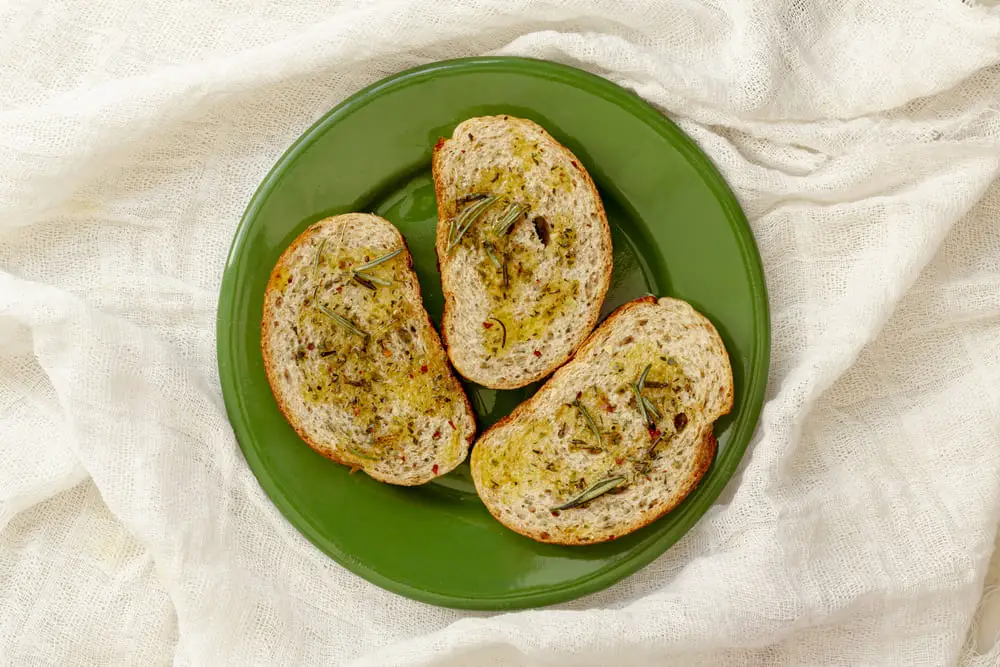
319, 255
503, 328
367, 279
378, 260
361, 454
342, 321
642, 378
590, 420
509, 217
598, 489
646, 407
470, 214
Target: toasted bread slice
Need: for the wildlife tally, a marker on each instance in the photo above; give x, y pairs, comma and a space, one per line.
581, 461
524, 249
352, 358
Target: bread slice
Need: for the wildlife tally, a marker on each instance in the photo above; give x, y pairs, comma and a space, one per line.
352, 358
525, 281
583, 435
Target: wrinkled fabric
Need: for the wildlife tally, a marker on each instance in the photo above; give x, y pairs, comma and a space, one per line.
861, 138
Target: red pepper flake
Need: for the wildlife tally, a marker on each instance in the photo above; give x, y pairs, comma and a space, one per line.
487, 325
437, 435
544, 536
537, 353
311, 346
579, 395
357, 411
451, 424
423, 369
654, 432
609, 407
619, 460
611, 537
290, 280
340, 288
411, 375
434, 469
555, 512
573, 162
404, 458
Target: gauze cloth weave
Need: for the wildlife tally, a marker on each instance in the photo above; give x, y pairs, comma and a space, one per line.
863, 141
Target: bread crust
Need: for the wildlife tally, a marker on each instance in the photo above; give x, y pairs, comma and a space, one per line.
445, 208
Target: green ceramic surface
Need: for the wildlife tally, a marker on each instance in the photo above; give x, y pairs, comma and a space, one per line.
677, 230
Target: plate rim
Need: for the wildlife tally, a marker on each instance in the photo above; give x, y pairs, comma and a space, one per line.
757, 375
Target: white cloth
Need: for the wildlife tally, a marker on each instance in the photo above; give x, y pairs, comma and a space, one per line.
863, 140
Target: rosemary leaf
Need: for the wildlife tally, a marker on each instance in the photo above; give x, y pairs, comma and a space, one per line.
465, 199
509, 217
488, 247
641, 402
651, 408
642, 378
465, 219
646, 407
590, 420
361, 454
594, 491
375, 280
378, 260
319, 256
342, 321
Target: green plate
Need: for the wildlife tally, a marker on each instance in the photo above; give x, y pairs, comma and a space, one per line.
677, 230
